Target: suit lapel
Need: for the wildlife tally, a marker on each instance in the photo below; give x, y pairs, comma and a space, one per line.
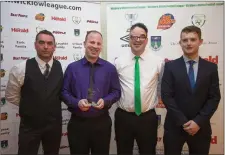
183, 72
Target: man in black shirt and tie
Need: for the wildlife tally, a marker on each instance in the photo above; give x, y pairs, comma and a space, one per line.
35, 85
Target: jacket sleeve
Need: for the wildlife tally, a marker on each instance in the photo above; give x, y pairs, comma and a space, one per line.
212, 101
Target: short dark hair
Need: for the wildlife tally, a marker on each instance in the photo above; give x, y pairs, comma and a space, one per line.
45, 32
91, 31
192, 28
141, 25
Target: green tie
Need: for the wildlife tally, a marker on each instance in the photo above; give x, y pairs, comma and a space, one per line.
137, 91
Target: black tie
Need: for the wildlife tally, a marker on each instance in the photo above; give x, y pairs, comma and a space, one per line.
46, 73
91, 81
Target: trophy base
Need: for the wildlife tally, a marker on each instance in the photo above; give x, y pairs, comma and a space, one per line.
93, 104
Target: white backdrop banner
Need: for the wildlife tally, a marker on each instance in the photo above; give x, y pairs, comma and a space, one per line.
20, 22
165, 21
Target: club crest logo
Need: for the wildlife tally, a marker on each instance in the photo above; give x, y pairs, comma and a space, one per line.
156, 43
76, 20
76, 32
198, 20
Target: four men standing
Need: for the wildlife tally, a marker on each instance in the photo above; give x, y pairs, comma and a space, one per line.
190, 92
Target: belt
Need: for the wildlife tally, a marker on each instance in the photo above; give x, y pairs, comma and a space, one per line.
133, 113
84, 117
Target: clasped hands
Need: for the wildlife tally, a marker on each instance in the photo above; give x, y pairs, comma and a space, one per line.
84, 105
191, 127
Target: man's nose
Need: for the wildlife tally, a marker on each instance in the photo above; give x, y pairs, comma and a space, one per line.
45, 45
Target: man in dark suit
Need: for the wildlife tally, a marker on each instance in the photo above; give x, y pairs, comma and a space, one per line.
191, 94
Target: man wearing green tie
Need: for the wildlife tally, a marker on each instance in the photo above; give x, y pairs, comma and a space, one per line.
140, 72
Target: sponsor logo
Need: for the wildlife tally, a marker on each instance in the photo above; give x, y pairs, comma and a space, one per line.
21, 58
77, 45
5, 131
76, 20
20, 44
40, 17
159, 120
3, 101
156, 43
58, 32
198, 20
211, 59
18, 15
58, 18
131, 17
125, 38
166, 21
92, 21
214, 140
4, 116
76, 32
38, 29
61, 45
1, 28
19, 30
2, 72
65, 134
60, 57
4, 144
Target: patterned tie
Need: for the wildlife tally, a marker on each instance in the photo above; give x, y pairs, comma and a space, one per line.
191, 73
137, 91
46, 73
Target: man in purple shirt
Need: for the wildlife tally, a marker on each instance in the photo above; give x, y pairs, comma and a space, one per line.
91, 86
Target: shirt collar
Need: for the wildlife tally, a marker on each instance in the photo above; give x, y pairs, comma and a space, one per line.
142, 56
42, 63
85, 61
186, 59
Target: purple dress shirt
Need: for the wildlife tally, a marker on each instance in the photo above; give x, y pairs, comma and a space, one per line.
76, 83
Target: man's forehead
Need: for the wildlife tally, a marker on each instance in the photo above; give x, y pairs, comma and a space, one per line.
92, 38
45, 40
137, 33
189, 33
